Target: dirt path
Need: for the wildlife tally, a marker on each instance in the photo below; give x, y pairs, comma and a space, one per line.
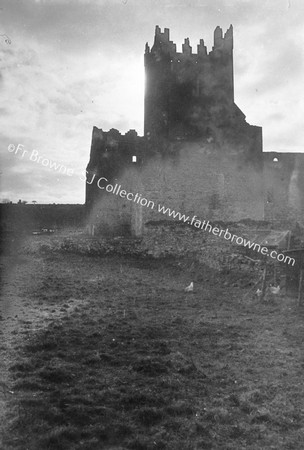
11, 308
19, 315
235, 367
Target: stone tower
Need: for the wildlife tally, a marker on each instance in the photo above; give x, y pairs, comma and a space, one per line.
187, 91
198, 154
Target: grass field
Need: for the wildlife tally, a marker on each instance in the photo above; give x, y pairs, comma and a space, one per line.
117, 356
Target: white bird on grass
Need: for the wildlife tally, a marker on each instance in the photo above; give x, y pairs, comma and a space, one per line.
259, 292
4, 389
189, 288
274, 290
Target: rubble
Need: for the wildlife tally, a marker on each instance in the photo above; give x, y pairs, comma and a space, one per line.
161, 240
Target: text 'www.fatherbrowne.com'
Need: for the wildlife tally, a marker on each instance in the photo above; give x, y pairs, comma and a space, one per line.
137, 198
206, 226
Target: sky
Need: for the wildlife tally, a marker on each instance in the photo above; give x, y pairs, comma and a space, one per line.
69, 65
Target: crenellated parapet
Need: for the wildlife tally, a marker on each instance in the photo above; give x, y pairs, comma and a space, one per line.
187, 49
224, 44
163, 43
201, 48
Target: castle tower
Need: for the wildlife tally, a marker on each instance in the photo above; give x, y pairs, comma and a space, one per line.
197, 153
187, 91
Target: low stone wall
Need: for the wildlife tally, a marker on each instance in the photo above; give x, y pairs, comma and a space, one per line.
183, 241
160, 240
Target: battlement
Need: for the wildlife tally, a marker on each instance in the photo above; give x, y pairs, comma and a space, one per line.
223, 43
113, 135
162, 40
165, 34
163, 43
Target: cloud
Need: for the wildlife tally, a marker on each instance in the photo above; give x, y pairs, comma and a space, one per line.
51, 105
73, 65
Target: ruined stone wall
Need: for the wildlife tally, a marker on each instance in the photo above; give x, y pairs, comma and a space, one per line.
193, 178
284, 188
198, 156
201, 181
220, 178
111, 154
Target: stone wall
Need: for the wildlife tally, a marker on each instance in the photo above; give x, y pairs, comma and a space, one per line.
284, 188
204, 181
193, 178
198, 156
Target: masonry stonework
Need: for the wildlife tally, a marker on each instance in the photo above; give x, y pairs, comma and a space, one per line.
284, 188
198, 155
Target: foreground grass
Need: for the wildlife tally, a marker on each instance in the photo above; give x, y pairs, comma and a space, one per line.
142, 365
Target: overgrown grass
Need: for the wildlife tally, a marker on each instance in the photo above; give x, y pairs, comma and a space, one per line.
142, 365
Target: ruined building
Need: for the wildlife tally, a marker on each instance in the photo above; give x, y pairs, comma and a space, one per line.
198, 155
